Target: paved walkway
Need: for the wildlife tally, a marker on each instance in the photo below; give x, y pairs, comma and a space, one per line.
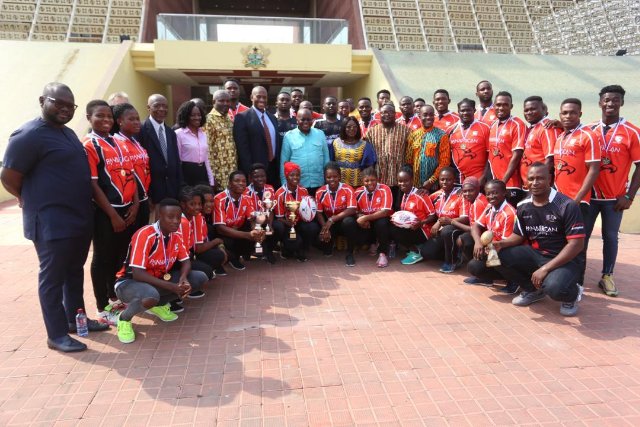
322, 344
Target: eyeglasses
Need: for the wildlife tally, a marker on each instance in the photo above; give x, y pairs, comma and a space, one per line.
59, 104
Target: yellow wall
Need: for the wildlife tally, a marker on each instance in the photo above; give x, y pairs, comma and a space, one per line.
368, 86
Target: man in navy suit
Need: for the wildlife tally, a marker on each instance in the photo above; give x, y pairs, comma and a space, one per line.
161, 144
256, 136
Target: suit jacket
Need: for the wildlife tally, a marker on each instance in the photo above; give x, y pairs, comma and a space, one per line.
251, 144
166, 177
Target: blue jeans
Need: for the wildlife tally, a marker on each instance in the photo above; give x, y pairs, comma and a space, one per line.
610, 227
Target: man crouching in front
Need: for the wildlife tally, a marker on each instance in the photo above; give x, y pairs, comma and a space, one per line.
553, 227
150, 277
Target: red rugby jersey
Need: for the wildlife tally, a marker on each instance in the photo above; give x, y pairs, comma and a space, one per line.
504, 138
538, 145
469, 148
488, 117
448, 206
475, 209
237, 110
283, 195
232, 213
620, 147
421, 206
500, 221
343, 199
140, 160
110, 165
153, 252
253, 194
447, 120
413, 123
571, 154
379, 199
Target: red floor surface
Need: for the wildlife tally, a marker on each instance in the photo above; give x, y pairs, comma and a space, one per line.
322, 344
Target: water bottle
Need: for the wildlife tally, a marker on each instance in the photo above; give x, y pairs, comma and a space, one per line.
392, 250
81, 323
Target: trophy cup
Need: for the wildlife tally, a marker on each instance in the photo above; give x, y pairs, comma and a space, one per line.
292, 207
261, 218
493, 260
267, 205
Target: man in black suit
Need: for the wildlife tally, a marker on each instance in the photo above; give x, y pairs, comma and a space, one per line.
257, 139
161, 144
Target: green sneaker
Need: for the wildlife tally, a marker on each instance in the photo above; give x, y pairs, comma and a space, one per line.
125, 332
411, 258
163, 312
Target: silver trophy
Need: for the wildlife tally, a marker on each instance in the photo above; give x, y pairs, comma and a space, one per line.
267, 206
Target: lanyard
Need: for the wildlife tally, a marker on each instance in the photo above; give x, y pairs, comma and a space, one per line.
442, 201
368, 201
332, 200
568, 135
405, 198
236, 211
287, 192
494, 214
462, 132
164, 245
115, 147
254, 194
607, 144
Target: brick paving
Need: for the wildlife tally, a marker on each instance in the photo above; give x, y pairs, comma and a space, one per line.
321, 344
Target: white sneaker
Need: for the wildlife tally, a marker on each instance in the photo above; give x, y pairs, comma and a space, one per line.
109, 317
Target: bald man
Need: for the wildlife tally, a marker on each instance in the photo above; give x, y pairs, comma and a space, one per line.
161, 144
256, 136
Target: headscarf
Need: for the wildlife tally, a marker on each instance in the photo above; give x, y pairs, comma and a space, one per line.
472, 180
290, 167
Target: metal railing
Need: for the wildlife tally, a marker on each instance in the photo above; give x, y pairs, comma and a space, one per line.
252, 29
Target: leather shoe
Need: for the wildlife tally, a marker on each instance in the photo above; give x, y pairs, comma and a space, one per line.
92, 325
65, 344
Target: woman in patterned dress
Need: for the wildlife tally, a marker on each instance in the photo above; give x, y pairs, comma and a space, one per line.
352, 153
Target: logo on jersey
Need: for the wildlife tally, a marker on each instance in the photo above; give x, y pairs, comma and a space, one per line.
551, 218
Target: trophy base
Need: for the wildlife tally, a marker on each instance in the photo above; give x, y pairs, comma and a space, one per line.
493, 262
269, 233
259, 251
292, 236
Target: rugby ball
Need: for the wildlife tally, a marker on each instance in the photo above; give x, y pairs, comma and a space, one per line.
307, 209
404, 219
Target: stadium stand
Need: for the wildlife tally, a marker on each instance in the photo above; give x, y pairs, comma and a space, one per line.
594, 27
92, 21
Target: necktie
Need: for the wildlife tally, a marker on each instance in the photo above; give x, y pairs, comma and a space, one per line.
163, 143
267, 136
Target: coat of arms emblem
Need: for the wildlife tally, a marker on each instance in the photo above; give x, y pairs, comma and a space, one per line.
255, 57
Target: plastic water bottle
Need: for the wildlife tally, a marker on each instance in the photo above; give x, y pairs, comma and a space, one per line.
81, 323
392, 250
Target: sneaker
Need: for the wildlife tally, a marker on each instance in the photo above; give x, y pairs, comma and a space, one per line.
110, 317
125, 332
163, 312
236, 264
327, 253
569, 308
447, 268
350, 261
608, 286
382, 261
528, 298
510, 289
92, 326
270, 258
196, 294
220, 271
411, 258
302, 258
473, 280
175, 306
373, 249
284, 254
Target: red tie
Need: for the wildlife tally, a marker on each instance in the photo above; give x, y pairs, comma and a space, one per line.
267, 136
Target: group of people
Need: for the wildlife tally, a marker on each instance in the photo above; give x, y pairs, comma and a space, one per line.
223, 186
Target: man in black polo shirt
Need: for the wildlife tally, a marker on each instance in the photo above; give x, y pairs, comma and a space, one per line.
329, 123
46, 168
550, 265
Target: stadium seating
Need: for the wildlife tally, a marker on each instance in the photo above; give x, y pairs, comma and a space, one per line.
92, 21
599, 27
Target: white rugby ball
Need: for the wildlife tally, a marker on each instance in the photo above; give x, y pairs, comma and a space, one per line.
404, 219
307, 209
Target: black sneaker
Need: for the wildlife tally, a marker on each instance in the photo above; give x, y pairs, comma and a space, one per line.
510, 289
284, 254
472, 280
236, 264
196, 294
350, 260
220, 271
270, 258
302, 258
176, 307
